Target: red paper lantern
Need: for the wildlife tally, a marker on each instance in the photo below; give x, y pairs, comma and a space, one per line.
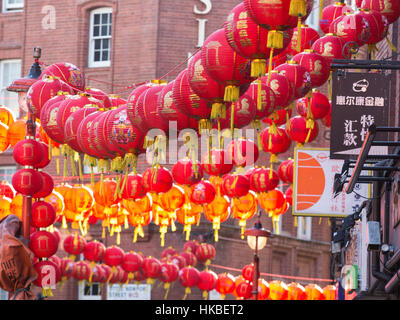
43, 214
133, 188
352, 28
217, 163
282, 170
289, 171
279, 117
114, 256
147, 105
168, 253
190, 258
157, 180
331, 12
67, 72
225, 284
74, 245
120, 133
48, 274
389, 8
169, 274
275, 142
48, 117
297, 130
202, 192
248, 39
191, 246
6, 190
99, 95
243, 152
185, 172
378, 24
327, 119
316, 65
266, 102
94, 251
152, 268
45, 161
133, 98
272, 201
43, 244
329, 292
72, 125
201, 83
82, 271
207, 282
42, 91
28, 152
179, 261
132, 262
117, 101
243, 111
67, 269
225, 66
27, 181
244, 289
282, 87
235, 185
289, 195
331, 47
188, 277
318, 103
260, 180
307, 38
298, 75
248, 272
187, 101
169, 110
205, 253
98, 274
47, 186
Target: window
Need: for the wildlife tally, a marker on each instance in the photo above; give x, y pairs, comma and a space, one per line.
304, 228
313, 19
89, 292
6, 173
9, 71
13, 5
3, 295
100, 37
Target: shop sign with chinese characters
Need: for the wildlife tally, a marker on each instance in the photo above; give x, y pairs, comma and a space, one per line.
358, 101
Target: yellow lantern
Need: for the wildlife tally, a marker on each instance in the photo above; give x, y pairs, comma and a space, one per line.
217, 212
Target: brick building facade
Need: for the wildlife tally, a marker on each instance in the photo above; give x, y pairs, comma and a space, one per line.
149, 40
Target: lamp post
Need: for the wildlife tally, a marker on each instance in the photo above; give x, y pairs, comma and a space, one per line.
257, 240
21, 86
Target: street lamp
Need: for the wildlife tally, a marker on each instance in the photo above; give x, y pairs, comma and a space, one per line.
257, 240
21, 86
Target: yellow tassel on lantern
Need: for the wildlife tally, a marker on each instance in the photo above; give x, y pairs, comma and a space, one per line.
187, 292
298, 8
390, 44
258, 68
295, 221
275, 40
46, 292
167, 286
216, 227
205, 295
218, 111
256, 125
163, 231
232, 93
205, 124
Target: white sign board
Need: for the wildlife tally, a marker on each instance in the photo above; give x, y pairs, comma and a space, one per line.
129, 292
314, 175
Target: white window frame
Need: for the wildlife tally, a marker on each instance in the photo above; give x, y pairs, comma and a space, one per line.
8, 7
15, 111
313, 19
4, 168
91, 62
81, 294
304, 228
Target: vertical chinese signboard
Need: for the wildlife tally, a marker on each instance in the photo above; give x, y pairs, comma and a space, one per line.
313, 195
358, 100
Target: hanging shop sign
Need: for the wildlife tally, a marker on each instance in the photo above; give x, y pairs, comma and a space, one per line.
358, 100
314, 176
129, 292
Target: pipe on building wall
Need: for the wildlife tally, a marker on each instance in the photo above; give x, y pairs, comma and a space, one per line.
393, 283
